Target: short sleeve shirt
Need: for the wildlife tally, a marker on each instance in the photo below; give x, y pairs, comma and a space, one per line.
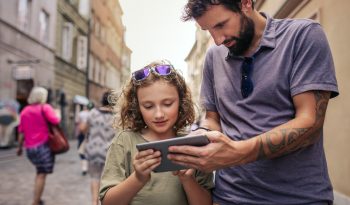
163, 187
293, 57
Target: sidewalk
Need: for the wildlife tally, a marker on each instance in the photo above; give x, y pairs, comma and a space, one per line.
66, 186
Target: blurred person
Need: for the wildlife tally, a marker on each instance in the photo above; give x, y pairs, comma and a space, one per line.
8, 122
266, 86
33, 130
81, 135
100, 133
156, 105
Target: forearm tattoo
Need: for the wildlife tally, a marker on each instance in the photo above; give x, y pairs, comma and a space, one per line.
284, 141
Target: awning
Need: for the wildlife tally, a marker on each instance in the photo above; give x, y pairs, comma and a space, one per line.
81, 100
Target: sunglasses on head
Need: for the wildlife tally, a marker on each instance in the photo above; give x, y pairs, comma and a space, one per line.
246, 81
161, 70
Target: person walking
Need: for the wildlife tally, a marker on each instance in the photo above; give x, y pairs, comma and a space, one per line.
266, 86
33, 131
99, 133
80, 133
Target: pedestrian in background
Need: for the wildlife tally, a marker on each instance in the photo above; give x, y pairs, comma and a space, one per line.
265, 89
99, 126
33, 130
81, 135
156, 105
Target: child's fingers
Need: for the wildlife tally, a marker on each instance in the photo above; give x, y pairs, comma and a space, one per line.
149, 163
151, 168
144, 153
141, 157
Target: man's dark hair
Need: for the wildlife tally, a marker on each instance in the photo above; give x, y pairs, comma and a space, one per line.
196, 8
105, 98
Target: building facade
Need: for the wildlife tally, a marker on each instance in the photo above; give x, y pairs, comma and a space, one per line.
332, 15
195, 62
71, 52
27, 44
107, 47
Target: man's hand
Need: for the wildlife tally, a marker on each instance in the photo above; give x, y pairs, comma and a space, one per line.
221, 152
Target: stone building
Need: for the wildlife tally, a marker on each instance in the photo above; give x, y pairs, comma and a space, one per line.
332, 15
107, 48
27, 44
195, 61
71, 47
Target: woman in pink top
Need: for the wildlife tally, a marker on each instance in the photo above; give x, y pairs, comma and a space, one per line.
34, 131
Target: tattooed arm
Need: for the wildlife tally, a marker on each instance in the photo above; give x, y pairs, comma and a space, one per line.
305, 129
297, 133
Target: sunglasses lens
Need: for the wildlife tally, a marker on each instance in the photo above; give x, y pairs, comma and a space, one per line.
247, 87
163, 69
246, 83
141, 74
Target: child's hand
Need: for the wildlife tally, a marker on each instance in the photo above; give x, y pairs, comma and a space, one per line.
144, 162
184, 175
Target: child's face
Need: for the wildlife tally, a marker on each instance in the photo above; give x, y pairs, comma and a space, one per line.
159, 106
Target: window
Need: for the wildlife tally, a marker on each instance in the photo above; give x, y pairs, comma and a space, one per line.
102, 75
67, 40
91, 67
97, 71
44, 26
102, 37
84, 8
82, 52
24, 14
97, 28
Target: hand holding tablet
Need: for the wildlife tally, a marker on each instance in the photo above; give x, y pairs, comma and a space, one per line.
163, 145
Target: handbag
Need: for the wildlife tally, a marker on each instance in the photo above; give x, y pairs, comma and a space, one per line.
58, 142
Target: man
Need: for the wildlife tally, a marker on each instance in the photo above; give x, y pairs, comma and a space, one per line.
265, 88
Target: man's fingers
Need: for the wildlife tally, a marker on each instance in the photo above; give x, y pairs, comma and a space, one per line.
183, 159
186, 149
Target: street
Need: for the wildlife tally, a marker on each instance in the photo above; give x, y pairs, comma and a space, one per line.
66, 186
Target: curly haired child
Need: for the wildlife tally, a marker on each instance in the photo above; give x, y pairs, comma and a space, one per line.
156, 105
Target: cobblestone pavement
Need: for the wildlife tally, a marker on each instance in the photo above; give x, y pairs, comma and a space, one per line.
66, 186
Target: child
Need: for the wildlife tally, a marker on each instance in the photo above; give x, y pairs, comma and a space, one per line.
157, 105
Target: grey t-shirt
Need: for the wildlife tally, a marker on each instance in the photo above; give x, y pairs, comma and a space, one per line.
293, 57
163, 187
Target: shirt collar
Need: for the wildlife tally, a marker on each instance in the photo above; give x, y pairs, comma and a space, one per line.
269, 36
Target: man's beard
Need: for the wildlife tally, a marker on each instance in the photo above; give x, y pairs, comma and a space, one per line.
245, 38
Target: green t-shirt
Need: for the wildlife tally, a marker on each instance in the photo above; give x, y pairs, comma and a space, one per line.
163, 188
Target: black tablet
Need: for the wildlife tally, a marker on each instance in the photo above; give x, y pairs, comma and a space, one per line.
162, 146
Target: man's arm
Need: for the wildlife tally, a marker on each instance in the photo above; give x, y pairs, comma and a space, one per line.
304, 130
297, 133
211, 121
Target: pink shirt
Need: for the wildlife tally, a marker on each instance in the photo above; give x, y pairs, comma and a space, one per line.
33, 124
